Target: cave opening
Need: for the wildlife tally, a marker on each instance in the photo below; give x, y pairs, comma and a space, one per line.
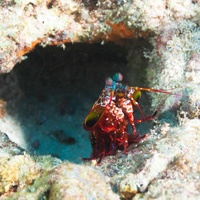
49, 94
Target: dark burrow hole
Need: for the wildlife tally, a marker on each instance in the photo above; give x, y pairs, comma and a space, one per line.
49, 94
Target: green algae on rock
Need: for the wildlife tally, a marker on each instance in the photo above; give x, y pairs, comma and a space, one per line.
69, 181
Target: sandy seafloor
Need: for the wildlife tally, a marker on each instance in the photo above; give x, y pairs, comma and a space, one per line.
31, 123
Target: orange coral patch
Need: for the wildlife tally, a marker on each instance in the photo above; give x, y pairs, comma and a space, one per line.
2, 108
26, 49
120, 31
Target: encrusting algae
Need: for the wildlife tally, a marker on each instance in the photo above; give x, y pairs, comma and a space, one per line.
2, 108
17, 172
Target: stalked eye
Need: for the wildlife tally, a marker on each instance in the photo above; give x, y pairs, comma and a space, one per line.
109, 81
118, 77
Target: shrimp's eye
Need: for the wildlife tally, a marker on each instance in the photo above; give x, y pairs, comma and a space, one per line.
109, 81
118, 77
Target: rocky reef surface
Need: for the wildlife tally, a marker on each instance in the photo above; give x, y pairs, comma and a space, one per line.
165, 165
154, 43
46, 177
24, 24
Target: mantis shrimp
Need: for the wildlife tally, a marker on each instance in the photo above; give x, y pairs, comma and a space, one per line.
108, 120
